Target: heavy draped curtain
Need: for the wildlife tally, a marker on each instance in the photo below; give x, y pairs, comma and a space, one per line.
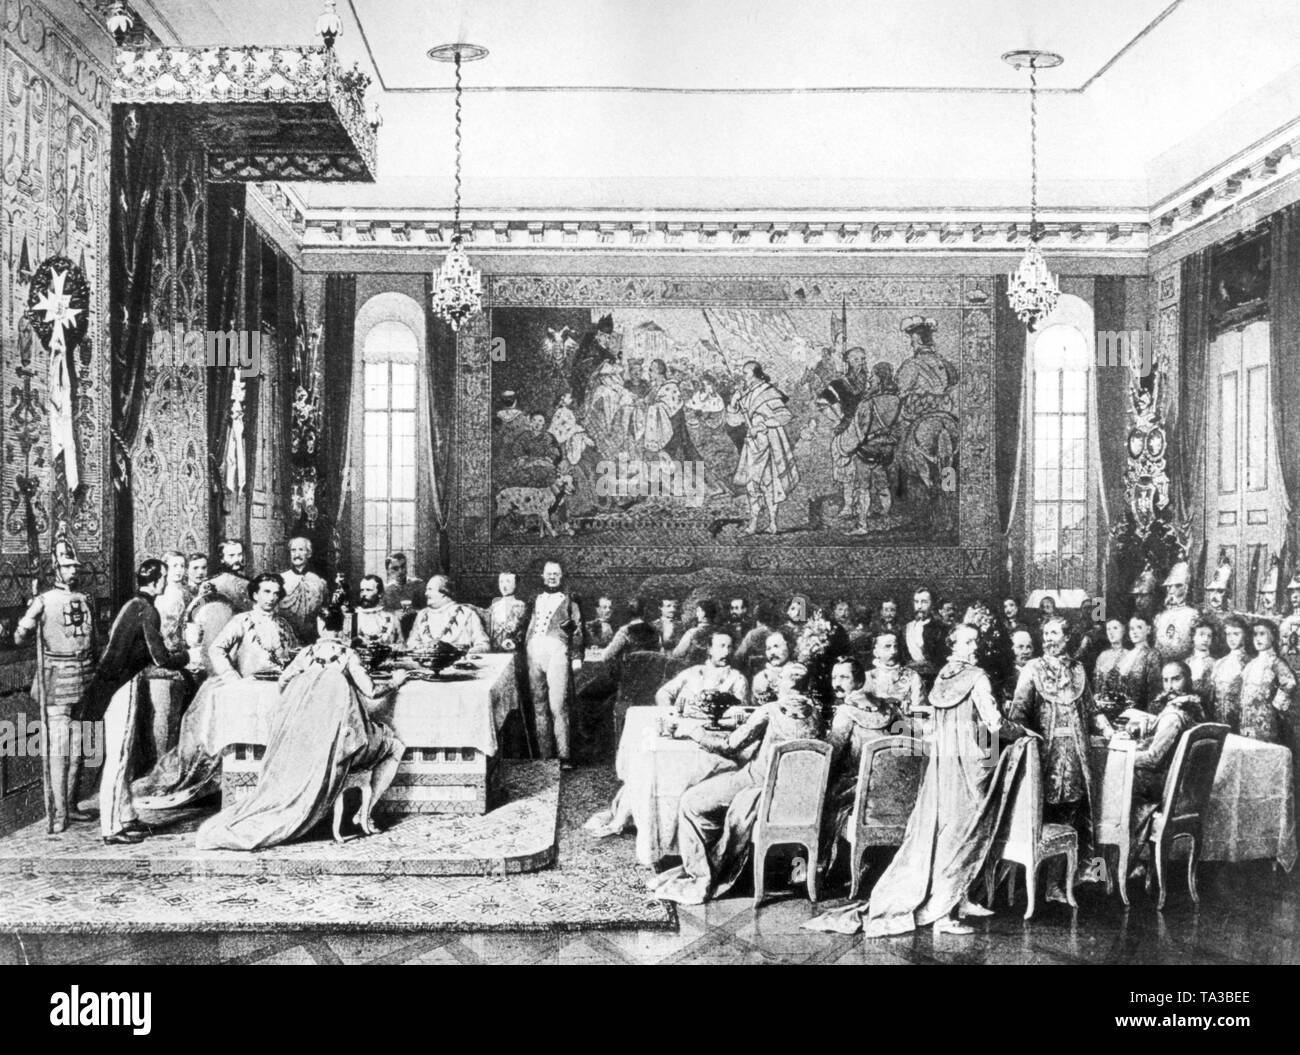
287, 336
333, 533
142, 140
225, 301
1185, 414
1284, 361
1110, 315
439, 383
1011, 406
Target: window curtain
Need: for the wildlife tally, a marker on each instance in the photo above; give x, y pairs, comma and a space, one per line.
1185, 413
142, 140
225, 270
1284, 362
333, 491
438, 384
254, 248
1011, 426
1111, 401
286, 324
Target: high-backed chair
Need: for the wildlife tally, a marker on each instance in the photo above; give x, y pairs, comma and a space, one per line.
889, 777
1114, 816
1186, 797
790, 808
210, 617
1023, 838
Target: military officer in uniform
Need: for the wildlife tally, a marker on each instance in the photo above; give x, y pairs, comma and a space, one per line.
553, 645
64, 620
1173, 625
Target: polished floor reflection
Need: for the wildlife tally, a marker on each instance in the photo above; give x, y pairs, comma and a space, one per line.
1248, 914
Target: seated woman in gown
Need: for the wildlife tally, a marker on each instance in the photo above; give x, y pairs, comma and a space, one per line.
716, 820
252, 643
322, 731
1179, 709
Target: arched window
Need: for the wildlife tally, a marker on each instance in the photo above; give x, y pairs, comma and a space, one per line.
1063, 481
391, 358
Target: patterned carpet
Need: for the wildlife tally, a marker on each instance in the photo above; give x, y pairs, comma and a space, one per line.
595, 884
517, 835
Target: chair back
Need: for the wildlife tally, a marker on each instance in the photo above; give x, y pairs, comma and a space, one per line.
1022, 823
795, 787
889, 779
1191, 778
211, 616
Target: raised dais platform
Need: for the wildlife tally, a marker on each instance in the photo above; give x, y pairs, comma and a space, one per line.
518, 835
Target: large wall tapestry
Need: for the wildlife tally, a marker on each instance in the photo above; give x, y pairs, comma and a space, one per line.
812, 432
54, 131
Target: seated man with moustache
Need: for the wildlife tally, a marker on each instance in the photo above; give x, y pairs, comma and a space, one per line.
376, 624
685, 692
767, 681
861, 716
259, 641
446, 620
716, 817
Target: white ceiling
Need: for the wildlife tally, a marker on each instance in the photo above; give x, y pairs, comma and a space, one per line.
675, 104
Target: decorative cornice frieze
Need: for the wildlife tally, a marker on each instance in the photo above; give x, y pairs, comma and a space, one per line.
1268, 165
318, 230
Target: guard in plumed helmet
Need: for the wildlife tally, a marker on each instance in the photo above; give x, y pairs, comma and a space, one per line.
1266, 594
1216, 590
62, 620
1143, 594
1288, 645
1173, 625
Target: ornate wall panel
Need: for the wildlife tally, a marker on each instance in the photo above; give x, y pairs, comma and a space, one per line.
629, 467
169, 479
54, 131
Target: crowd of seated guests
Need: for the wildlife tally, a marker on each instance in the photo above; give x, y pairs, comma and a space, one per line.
863, 670
867, 673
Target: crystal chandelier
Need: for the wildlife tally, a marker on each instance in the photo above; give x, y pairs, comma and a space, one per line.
1031, 289
457, 288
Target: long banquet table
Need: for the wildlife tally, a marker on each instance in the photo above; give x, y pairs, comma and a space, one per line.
655, 771
450, 728
1251, 815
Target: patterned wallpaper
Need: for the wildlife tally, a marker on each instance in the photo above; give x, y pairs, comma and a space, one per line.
169, 461
54, 132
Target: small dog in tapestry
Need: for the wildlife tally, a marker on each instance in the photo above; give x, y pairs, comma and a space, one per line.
546, 508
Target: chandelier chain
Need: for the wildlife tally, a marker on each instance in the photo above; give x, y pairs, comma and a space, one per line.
1033, 151
456, 226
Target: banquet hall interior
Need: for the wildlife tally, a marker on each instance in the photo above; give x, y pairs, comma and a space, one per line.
567, 375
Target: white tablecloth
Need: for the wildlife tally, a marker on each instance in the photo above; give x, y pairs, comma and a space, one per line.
466, 713
655, 772
1251, 812
1252, 806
